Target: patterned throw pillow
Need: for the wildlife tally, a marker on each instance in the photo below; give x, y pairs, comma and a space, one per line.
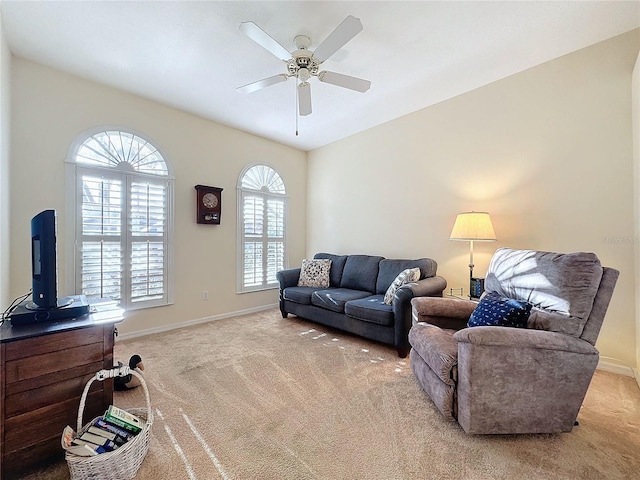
496, 310
315, 273
406, 276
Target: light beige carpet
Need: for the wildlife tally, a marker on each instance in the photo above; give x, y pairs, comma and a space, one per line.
261, 397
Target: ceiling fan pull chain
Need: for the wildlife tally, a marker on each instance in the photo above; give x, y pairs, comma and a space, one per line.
296, 110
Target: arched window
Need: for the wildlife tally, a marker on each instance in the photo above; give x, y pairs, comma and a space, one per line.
262, 208
123, 218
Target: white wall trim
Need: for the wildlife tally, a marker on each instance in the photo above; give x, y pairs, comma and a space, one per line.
615, 366
197, 321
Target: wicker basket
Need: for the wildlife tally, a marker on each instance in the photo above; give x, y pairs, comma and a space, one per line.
123, 462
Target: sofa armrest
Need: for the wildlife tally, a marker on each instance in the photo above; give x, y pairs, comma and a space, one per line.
402, 306
288, 278
449, 313
427, 287
524, 338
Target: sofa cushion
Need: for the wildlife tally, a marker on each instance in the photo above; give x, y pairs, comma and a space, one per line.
337, 266
562, 283
335, 298
314, 273
370, 309
494, 310
390, 268
361, 272
300, 295
406, 276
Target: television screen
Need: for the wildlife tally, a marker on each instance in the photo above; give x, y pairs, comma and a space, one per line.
43, 259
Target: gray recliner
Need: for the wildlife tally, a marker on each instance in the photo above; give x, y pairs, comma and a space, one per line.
504, 380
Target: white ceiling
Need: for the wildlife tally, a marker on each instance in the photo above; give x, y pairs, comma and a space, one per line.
192, 56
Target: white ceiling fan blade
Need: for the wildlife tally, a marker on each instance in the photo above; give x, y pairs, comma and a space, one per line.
344, 32
260, 84
263, 39
304, 99
352, 83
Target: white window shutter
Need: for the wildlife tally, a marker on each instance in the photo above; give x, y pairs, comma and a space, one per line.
100, 252
263, 226
123, 230
148, 205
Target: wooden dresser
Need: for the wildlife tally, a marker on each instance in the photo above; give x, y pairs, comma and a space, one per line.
45, 367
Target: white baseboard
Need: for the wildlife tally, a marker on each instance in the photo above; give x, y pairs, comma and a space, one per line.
197, 321
607, 365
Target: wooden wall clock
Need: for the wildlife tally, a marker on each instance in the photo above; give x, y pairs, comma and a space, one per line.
208, 204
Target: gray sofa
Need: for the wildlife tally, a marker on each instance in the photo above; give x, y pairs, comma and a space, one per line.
497, 379
354, 299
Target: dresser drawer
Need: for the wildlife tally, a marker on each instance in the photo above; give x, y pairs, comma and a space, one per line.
48, 422
56, 361
22, 397
54, 342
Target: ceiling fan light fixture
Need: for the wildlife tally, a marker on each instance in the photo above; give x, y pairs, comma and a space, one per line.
304, 74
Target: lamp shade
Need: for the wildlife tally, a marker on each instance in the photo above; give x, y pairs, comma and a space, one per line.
473, 226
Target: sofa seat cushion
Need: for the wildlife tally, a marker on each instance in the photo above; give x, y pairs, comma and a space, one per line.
334, 298
438, 349
370, 309
301, 295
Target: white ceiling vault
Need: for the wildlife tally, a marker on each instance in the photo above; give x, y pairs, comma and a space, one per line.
191, 54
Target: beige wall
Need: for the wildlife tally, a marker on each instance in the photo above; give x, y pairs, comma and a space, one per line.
5, 122
548, 152
52, 108
635, 92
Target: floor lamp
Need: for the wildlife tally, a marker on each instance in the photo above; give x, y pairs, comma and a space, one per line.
473, 227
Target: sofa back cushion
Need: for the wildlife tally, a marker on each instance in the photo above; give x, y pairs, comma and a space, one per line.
361, 272
337, 266
562, 284
391, 268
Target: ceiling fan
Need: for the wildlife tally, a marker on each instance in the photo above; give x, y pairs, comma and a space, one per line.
304, 64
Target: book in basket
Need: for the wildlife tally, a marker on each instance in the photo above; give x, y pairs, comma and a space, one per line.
123, 419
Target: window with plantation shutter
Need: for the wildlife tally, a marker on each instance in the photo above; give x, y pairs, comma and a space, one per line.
262, 206
123, 220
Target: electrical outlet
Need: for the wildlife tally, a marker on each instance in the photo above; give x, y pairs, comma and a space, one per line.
205, 295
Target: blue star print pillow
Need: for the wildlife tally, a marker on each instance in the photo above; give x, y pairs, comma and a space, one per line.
494, 310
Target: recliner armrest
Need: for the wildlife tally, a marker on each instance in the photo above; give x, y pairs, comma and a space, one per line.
517, 380
450, 313
521, 338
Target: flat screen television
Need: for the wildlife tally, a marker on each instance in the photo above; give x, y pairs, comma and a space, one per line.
44, 266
